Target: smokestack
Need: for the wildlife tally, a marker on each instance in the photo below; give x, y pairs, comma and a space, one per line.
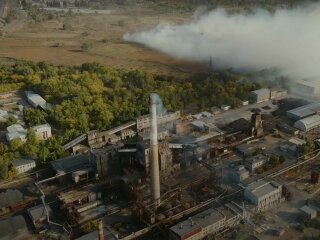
154, 163
101, 234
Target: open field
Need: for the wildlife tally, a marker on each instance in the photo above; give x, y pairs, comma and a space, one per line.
104, 30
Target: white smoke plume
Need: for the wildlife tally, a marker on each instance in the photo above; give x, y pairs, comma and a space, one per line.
288, 40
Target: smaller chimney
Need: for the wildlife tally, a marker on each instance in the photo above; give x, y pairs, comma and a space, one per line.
101, 234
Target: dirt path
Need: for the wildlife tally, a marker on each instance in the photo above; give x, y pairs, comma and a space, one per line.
21, 15
4, 8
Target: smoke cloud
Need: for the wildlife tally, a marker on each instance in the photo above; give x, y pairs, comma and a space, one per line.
288, 40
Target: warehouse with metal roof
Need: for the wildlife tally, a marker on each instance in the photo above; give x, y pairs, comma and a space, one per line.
304, 111
308, 123
264, 195
260, 95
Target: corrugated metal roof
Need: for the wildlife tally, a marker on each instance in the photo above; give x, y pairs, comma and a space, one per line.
17, 163
308, 123
38, 212
15, 128
71, 163
304, 111
38, 127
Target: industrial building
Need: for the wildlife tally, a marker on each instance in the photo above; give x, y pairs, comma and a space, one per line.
106, 160
304, 111
143, 122
255, 162
307, 87
164, 154
39, 214
308, 123
23, 165
240, 174
278, 94
161, 183
287, 128
264, 195
43, 131
308, 212
208, 222
163, 133
290, 147
97, 139
260, 95
256, 125
82, 204
71, 164
16, 131
35, 100
246, 150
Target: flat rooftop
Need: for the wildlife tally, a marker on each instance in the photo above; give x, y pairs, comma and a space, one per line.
197, 222
262, 188
70, 164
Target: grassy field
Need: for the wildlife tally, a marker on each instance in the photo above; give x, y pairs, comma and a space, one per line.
104, 30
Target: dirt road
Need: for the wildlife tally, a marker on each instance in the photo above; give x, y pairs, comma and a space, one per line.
21, 16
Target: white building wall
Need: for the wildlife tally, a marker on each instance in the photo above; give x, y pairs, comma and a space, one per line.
43, 133
26, 167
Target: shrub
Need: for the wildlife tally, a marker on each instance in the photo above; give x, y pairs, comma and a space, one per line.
86, 46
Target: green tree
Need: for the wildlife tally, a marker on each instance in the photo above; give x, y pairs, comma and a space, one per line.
16, 144
3, 148
12, 173
34, 117
274, 161
4, 163
11, 120
31, 147
43, 154
90, 226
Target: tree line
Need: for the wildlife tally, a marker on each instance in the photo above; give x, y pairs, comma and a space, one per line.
94, 96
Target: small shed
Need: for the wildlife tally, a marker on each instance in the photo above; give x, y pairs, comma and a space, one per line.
225, 107
308, 212
39, 214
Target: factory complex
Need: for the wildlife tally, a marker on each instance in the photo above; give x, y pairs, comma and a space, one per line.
176, 175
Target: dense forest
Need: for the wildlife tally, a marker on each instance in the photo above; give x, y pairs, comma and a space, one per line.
93, 96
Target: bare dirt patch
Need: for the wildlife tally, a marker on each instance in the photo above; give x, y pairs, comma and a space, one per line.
104, 31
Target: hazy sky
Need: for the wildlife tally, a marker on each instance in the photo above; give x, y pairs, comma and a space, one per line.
287, 39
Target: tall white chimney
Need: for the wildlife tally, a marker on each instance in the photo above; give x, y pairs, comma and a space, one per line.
154, 163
